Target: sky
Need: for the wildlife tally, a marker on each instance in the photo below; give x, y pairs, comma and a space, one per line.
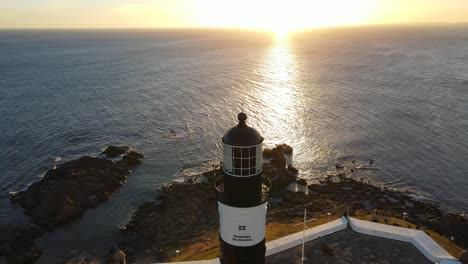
275, 15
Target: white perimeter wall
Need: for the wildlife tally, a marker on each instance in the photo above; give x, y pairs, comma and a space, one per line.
294, 240
418, 238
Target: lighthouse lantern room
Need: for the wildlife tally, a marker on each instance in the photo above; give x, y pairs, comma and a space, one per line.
242, 196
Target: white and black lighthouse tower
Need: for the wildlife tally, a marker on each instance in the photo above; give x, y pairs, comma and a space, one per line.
242, 196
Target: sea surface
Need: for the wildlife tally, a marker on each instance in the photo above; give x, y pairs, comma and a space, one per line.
397, 95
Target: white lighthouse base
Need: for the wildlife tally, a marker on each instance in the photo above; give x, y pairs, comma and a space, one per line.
242, 227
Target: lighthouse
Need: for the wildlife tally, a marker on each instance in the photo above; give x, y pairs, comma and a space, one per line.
242, 196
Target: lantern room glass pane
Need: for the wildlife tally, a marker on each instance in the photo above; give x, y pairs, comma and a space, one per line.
245, 152
237, 163
243, 161
236, 152
253, 151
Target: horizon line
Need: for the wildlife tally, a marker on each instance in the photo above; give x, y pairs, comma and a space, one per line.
238, 28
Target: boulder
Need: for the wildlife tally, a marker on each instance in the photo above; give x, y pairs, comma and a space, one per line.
302, 182
277, 155
131, 159
280, 149
267, 153
278, 162
115, 151
285, 149
136, 154
292, 169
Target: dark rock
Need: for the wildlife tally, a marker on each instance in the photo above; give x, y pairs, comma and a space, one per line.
280, 178
115, 151
66, 191
285, 149
17, 244
131, 159
277, 155
292, 169
278, 150
268, 153
278, 162
339, 167
302, 182
136, 154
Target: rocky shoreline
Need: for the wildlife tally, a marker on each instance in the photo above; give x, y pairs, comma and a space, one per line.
63, 195
184, 211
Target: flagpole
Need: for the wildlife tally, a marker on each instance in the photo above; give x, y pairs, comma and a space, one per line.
303, 235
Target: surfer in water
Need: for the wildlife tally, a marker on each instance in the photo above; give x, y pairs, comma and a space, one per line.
176, 134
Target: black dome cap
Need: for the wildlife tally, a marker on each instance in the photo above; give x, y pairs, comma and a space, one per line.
242, 135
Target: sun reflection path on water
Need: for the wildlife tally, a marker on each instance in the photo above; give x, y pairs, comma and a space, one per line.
279, 92
279, 104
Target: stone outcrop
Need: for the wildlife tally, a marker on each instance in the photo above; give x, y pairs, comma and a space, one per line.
131, 159
115, 151
302, 182
277, 155
276, 169
17, 244
66, 191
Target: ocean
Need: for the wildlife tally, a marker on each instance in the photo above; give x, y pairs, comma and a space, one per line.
397, 95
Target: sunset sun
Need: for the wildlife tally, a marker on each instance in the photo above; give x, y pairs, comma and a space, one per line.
282, 16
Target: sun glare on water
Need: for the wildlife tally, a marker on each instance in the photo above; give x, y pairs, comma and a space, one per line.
283, 16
